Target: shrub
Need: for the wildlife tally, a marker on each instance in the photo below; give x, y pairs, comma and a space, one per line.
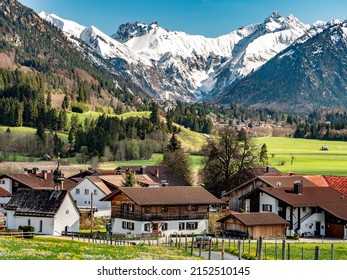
27, 229
79, 108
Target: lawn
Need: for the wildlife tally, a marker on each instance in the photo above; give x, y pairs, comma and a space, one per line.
307, 156
45, 248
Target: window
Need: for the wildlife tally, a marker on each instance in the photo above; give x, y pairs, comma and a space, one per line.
303, 209
3, 182
147, 210
124, 225
164, 226
164, 209
95, 192
147, 227
130, 226
181, 226
77, 191
29, 222
41, 226
267, 207
86, 191
192, 208
192, 225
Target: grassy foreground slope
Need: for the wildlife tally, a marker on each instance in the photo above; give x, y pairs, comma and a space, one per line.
305, 156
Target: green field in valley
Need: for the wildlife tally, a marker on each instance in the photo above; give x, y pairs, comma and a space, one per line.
308, 156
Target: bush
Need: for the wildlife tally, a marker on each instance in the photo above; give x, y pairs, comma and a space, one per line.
27, 229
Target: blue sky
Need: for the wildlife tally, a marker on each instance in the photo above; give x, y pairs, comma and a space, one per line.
210, 18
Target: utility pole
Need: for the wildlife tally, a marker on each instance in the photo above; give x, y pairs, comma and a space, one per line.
91, 214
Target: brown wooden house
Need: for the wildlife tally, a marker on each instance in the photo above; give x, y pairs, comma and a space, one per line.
254, 225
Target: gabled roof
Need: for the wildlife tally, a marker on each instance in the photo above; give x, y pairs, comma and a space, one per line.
166, 196
4, 192
98, 182
36, 203
37, 181
158, 173
338, 183
256, 219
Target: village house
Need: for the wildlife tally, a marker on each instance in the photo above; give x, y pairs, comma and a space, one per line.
254, 225
310, 205
160, 211
32, 179
50, 212
5, 197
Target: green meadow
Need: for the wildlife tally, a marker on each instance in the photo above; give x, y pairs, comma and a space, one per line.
46, 248
305, 156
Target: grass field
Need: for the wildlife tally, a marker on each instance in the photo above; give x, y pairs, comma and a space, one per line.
45, 248
297, 250
308, 158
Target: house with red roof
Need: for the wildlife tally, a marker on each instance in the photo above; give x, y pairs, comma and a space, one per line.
309, 203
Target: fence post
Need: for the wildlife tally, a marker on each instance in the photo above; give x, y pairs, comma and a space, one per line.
249, 246
229, 241
223, 249
288, 251
176, 241
209, 248
239, 250
316, 253
179, 243
186, 244
276, 250
260, 248
302, 253
283, 249
332, 251
200, 247
192, 247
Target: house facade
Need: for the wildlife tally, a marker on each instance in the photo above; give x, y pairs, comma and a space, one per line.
308, 203
160, 211
50, 212
87, 195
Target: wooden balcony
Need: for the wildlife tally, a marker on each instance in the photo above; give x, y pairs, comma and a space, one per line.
158, 216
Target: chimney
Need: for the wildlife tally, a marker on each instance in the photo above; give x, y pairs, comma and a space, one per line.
298, 187
44, 174
35, 171
267, 169
157, 173
143, 170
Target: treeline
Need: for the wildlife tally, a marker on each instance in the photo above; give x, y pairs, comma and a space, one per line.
324, 125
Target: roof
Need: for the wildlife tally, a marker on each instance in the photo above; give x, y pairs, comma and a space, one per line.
256, 219
314, 193
97, 181
4, 192
264, 171
163, 172
38, 203
166, 196
37, 181
338, 183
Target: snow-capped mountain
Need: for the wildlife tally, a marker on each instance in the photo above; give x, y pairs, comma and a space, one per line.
309, 74
176, 65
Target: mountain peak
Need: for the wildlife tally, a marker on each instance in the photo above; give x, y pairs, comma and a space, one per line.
128, 30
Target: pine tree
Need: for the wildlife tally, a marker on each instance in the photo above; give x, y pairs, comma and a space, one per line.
129, 180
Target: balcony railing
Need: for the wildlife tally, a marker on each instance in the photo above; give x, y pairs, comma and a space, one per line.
158, 217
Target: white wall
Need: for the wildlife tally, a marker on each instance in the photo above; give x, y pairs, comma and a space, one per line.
84, 200
3, 201
266, 199
173, 227
6, 184
67, 215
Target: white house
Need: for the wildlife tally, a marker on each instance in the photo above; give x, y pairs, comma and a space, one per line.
50, 212
309, 203
5, 197
160, 211
88, 193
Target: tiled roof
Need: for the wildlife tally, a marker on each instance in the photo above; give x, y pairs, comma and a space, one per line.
37, 181
4, 192
167, 196
163, 172
255, 219
100, 184
38, 203
338, 183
